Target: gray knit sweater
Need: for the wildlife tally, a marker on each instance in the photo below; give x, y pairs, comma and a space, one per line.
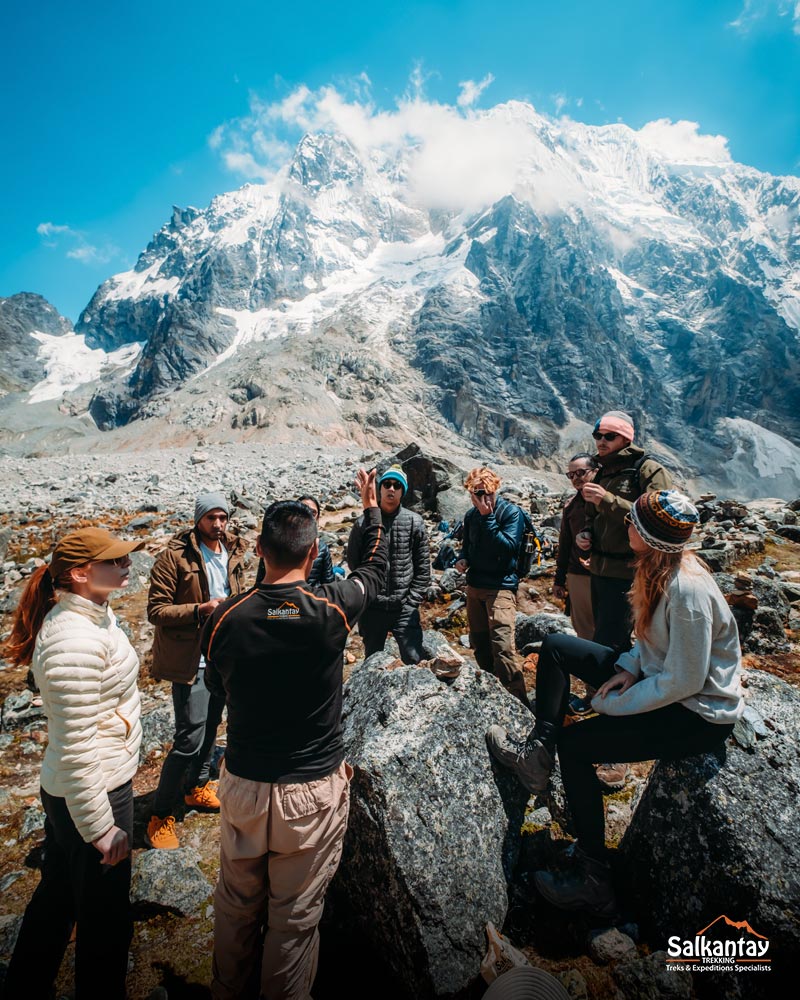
690, 654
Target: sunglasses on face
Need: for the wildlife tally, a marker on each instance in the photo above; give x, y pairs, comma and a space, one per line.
391, 484
578, 474
607, 436
479, 493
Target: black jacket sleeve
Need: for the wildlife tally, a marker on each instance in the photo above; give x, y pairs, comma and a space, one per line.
369, 550
421, 556
322, 570
354, 543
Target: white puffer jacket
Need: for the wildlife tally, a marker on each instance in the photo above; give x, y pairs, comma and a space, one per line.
86, 671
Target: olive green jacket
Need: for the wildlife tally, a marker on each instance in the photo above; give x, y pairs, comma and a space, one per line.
611, 554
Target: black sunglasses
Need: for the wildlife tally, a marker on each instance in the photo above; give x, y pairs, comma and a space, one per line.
607, 436
479, 493
578, 473
394, 484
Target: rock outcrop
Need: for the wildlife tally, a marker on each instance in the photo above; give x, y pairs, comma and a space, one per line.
434, 828
717, 835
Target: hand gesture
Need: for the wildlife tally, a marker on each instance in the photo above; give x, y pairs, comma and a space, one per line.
113, 846
208, 608
621, 681
592, 493
461, 566
583, 540
484, 503
365, 484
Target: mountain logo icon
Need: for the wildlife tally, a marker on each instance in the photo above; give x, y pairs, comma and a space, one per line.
284, 612
738, 925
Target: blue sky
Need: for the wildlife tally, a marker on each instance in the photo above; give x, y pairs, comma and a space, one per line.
109, 115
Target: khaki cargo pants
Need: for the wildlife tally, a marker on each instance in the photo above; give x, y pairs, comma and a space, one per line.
491, 615
280, 845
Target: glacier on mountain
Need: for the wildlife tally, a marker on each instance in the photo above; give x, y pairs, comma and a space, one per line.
583, 268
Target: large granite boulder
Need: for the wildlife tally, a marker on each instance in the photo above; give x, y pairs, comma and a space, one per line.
434, 828
717, 836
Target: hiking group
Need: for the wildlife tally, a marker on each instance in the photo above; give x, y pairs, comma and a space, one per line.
272, 654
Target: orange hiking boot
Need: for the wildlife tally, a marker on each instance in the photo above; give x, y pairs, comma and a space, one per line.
203, 797
161, 833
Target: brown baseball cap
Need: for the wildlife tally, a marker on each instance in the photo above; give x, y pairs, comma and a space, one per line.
88, 545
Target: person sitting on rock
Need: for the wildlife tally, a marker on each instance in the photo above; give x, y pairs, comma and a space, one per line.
396, 608
86, 671
276, 655
322, 570
493, 534
676, 693
199, 568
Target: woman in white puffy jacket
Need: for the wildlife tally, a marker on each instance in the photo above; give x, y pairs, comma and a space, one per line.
86, 671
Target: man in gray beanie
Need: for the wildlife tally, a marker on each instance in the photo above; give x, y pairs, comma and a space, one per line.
200, 567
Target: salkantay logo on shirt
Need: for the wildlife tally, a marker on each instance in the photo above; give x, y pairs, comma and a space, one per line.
287, 610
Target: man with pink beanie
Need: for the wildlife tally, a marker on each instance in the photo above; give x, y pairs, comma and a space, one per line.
625, 473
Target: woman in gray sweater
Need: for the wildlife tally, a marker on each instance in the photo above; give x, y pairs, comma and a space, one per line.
675, 694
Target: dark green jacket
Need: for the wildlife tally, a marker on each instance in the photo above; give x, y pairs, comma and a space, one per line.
611, 554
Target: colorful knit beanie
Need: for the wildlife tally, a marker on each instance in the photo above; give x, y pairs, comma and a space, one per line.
665, 520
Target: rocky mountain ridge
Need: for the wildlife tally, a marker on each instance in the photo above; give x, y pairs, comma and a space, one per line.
610, 274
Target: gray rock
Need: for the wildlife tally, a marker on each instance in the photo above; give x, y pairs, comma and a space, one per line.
18, 709
790, 531
716, 835
199, 458
10, 879
533, 628
9, 932
145, 521
141, 565
168, 881
611, 946
451, 580
648, 979
434, 829
574, 983
32, 822
442, 659
158, 729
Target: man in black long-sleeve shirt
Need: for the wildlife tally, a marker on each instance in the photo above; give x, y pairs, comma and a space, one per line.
276, 653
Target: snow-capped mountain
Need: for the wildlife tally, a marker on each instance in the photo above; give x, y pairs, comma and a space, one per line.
608, 273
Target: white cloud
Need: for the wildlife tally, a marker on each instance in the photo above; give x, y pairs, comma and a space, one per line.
754, 11
450, 156
471, 91
681, 142
560, 100
78, 247
51, 229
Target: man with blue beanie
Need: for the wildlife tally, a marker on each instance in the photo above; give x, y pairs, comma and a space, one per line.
396, 608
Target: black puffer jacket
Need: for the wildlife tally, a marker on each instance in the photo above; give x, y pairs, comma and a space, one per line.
409, 572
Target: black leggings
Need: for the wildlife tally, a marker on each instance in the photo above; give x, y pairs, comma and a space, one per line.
76, 888
671, 732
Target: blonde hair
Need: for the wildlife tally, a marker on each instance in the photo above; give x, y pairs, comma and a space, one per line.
482, 478
654, 570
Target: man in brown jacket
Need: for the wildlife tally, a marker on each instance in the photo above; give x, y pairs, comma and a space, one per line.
198, 569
